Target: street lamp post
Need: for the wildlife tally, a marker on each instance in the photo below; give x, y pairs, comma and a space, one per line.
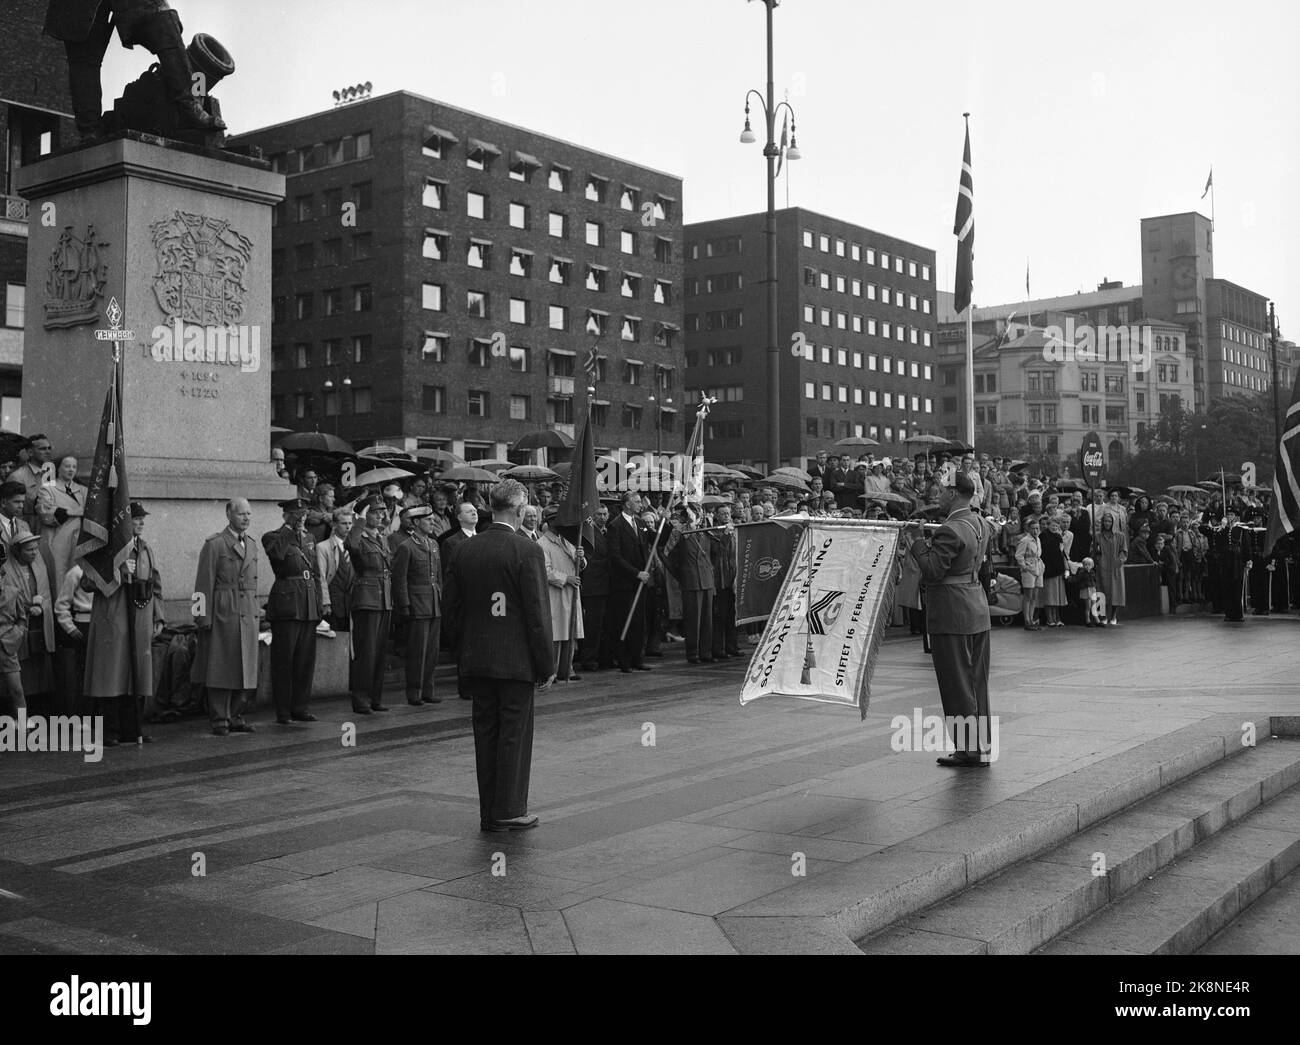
771, 151
659, 406
336, 382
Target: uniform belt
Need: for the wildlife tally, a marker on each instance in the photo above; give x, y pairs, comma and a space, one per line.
306, 575
954, 582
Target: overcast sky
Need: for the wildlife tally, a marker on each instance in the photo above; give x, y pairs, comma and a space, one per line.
1082, 123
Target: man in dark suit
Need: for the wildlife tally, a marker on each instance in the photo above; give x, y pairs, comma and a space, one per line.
294, 610
957, 617
466, 527
417, 601
595, 597
334, 568
626, 574
726, 639
818, 467
688, 558
498, 611
84, 28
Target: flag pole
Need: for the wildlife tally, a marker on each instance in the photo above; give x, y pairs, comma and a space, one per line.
672, 502
970, 375
1211, 220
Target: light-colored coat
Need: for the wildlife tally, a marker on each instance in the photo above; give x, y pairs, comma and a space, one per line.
561, 563
60, 539
1110, 552
226, 657
110, 648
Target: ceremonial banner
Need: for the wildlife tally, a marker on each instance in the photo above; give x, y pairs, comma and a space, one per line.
764, 552
824, 633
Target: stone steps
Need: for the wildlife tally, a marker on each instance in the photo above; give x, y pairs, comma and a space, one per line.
1159, 876
1189, 785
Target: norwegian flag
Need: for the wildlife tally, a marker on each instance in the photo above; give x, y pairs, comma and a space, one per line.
964, 230
1284, 514
589, 363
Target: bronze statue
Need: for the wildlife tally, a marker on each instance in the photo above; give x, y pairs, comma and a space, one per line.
170, 100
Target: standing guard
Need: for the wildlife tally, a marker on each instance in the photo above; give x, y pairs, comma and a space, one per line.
417, 601
372, 607
294, 610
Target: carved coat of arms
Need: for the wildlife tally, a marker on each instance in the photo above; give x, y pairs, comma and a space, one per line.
202, 269
75, 280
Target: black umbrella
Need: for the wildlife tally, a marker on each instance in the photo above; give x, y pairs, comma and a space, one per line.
548, 438
11, 443
314, 443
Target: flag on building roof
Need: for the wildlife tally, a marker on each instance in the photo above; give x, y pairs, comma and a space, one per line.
964, 230
1209, 183
1284, 513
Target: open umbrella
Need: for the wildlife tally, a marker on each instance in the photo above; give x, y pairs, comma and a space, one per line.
1184, 488
436, 456
376, 476
713, 501
407, 466
880, 495
530, 473
790, 470
548, 438
958, 446
11, 443
381, 450
720, 470
752, 473
1016, 466
1229, 479
792, 482
314, 443
856, 440
470, 473
929, 440
492, 464
563, 469
1073, 485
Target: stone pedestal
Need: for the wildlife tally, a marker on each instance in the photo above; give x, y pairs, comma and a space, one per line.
181, 239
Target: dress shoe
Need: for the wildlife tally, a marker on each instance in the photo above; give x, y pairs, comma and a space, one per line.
217, 731
654, 653
242, 727
692, 660
309, 717
642, 667
361, 711
734, 653
466, 696
961, 760
112, 742
589, 667
431, 700
707, 660
414, 703
517, 823
144, 738
378, 707
283, 721
626, 671
575, 678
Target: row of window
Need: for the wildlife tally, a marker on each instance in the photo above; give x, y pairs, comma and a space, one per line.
868, 325
1045, 380
323, 154
335, 350
559, 408
330, 206
718, 283
484, 156
333, 403
822, 242
336, 302
1240, 380
847, 285
1247, 359
728, 356
435, 348
306, 258
1232, 332
847, 357
873, 397
718, 247
814, 428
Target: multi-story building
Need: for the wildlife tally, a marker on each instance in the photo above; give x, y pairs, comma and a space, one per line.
859, 307
439, 278
1238, 340
35, 119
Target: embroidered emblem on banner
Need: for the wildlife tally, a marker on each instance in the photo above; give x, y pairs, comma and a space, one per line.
824, 611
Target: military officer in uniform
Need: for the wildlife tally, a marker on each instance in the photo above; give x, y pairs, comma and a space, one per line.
417, 600
84, 28
227, 615
957, 616
688, 557
726, 639
372, 607
294, 610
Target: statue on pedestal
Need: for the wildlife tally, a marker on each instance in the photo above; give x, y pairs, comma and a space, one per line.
170, 100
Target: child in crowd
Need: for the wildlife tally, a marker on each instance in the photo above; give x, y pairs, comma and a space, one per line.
1087, 578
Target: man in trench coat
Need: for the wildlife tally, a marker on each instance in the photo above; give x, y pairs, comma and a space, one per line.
119, 648
226, 612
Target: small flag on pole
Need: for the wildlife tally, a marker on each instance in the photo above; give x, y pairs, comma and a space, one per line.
1209, 182
785, 141
964, 230
1284, 513
106, 533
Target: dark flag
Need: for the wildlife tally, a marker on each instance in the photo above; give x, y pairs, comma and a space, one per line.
764, 552
104, 544
964, 230
577, 515
1284, 514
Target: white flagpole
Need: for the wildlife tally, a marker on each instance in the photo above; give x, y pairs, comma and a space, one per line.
970, 374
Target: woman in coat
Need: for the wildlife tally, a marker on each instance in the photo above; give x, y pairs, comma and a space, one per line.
563, 567
60, 504
1029, 558
1055, 554
1110, 551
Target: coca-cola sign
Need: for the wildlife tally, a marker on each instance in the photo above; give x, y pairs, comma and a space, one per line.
1092, 460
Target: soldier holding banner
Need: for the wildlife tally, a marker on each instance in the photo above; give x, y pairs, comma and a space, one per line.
957, 616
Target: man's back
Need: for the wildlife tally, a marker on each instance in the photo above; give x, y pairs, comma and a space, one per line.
496, 603
954, 599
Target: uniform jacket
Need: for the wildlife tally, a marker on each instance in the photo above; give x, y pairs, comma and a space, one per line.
595, 578
226, 657
689, 559
372, 563
723, 553
955, 603
72, 19
113, 650
417, 578
496, 608
295, 595
626, 553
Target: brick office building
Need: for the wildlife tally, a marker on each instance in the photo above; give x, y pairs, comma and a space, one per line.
439, 278
864, 303
35, 119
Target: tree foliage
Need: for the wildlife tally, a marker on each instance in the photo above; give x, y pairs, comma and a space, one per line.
1185, 446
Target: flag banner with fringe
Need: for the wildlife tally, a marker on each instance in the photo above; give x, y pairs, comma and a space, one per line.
824, 634
764, 552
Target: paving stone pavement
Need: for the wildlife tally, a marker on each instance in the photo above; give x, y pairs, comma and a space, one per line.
289, 841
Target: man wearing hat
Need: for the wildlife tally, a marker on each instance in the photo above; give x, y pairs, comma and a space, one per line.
30, 576
726, 639
398, 537
119, 641
957, 617
372, 608
294, 610
227, 615
687, 556
417, 601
